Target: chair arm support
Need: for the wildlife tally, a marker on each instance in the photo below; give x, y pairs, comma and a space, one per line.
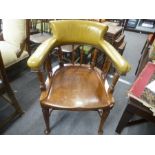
22, 45
122, 66
38, 57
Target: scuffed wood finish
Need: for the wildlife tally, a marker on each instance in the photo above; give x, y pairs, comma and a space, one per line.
48, 66
94, 57
114, 81
104, 116
60, 56
46, 115
76, 86
73, 55
41, 80
106, 66
81, 55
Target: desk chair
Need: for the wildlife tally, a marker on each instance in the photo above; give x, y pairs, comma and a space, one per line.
76, 86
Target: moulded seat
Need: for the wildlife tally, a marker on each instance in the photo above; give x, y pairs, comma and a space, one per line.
77, 87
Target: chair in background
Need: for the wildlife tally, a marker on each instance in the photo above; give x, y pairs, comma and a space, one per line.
76, 86
145, 54
39, 31
141, 100
7, 93
14, 42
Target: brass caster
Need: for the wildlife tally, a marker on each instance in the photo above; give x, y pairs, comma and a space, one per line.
46, 132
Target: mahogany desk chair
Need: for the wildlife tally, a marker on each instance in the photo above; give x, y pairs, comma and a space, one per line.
76, 86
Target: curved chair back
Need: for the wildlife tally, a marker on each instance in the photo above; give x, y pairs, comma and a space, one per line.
78, 32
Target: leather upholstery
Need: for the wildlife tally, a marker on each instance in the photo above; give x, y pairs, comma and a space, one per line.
78, 32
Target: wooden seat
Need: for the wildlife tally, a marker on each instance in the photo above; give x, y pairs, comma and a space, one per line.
74, 87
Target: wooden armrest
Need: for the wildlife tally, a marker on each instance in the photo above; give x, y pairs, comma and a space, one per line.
121, 65
38, 57
1, 37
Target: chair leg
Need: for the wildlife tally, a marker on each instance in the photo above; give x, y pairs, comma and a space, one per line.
127, 115
104, 115
13, 100
46, 115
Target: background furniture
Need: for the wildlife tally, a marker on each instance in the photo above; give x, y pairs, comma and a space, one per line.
76, 86
140, 25
152, 52
14, 41
7, 93
141, 100
115, 36
145, 53
39, 32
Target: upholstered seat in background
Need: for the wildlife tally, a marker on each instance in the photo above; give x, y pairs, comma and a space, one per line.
13, 46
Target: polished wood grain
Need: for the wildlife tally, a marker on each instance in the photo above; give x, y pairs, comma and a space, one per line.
106, 66
73, 55
114, 81
77, 87
104, 116
78, 84
60, 56
81, 55
94, 57
42, 80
